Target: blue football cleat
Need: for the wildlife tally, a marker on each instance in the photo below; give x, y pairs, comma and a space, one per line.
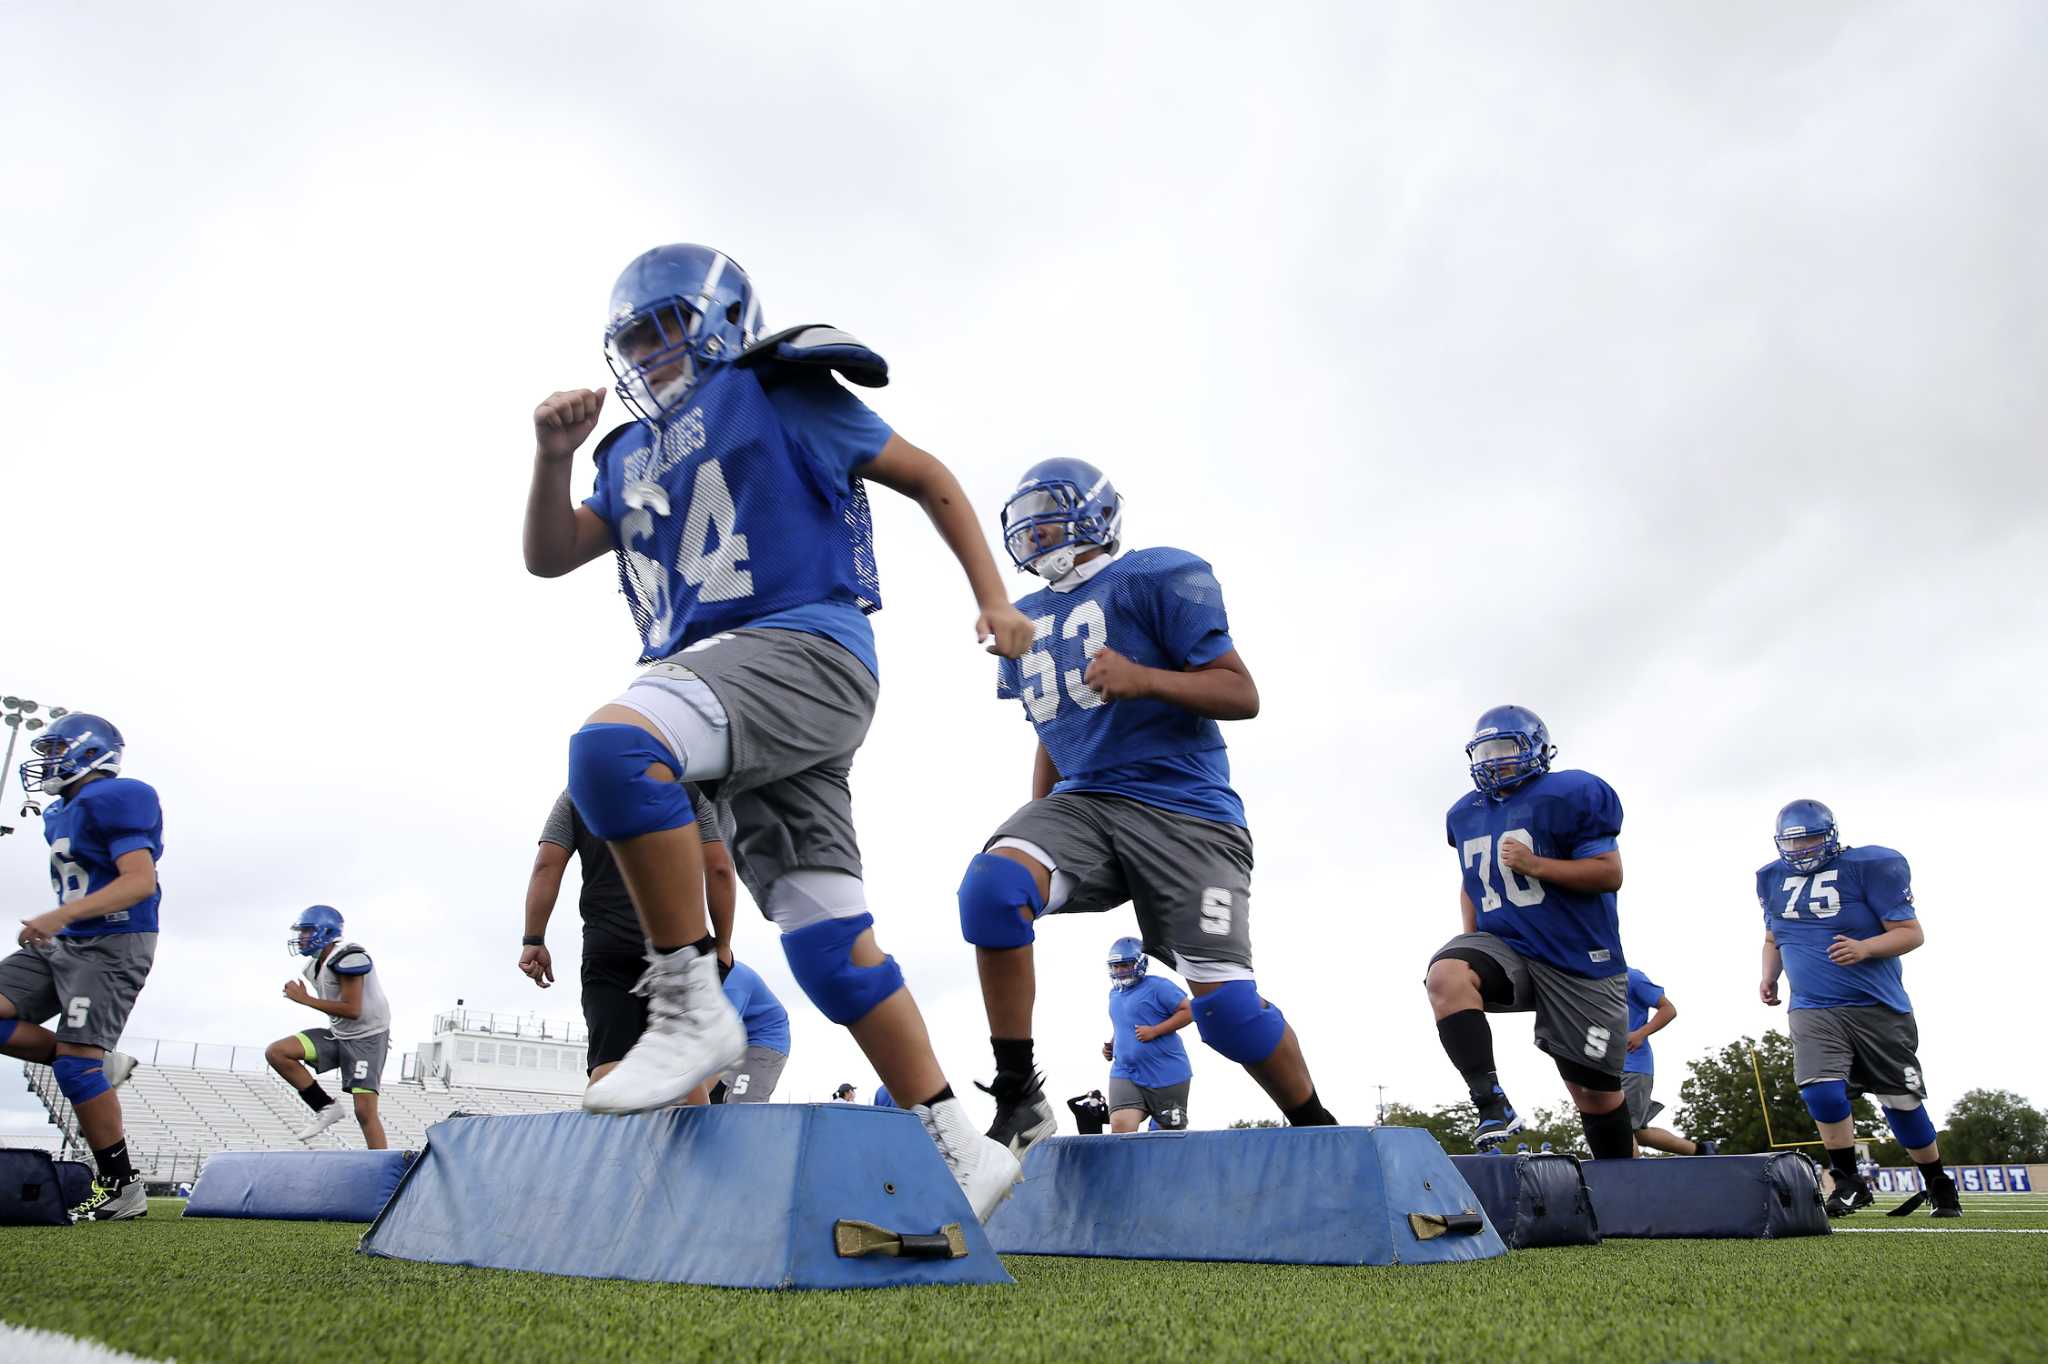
1497, 1123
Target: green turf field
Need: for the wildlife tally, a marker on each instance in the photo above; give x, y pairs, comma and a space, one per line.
225, 1290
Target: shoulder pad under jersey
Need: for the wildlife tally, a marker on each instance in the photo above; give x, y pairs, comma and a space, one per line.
815, 343
349, 959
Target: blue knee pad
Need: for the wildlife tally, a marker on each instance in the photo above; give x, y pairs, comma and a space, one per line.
608, 781
1233, 1020
989, 896
1911, 1126
1827, 1100
80, 1078
820, 956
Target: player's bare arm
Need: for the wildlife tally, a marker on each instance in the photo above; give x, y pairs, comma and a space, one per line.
349, 1005
1598, 875
905, 469
135, 883
1896, 941
1172, 1023
1221, 689
1044, 775
543, 886
560, 535
1774, 966
1659, 1019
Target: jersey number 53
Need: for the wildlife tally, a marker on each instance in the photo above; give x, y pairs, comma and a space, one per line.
1086, 623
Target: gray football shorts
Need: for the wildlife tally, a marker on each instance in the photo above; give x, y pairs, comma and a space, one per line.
1578, 1018
753, 1080
359, 1059
1872, 1048
88, 985
1635, 1091
1167, 1105
797, 707
1189, 879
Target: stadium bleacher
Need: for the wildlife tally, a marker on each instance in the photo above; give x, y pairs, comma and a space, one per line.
178, 1115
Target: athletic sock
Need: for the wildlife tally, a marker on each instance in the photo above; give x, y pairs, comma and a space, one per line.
1468, 1040
1309, 1113
113, 1164
935, 1100
705, 946
1932, 1172
1609, 1135
316, 1098
1013, 1055
1842, 1160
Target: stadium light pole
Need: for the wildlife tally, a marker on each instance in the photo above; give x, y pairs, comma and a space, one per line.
18, 714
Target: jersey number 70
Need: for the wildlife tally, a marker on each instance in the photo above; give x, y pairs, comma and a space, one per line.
1520, 891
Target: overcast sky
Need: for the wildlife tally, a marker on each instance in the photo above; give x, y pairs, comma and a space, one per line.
1675, 371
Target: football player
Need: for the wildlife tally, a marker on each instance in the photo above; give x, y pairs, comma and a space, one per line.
614, 952
1149, 1074
1132, 665
341, 982
84, 962
753, 1080
736, 506
1650, 1010
1540, 868
1836, 921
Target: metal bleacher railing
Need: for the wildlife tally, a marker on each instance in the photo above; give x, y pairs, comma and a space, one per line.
187, 1101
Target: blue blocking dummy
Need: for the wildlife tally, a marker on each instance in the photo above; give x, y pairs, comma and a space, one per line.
1297, 1196
32, 1191
734, 1196
1771, 1195
297, 1186
1533, 1199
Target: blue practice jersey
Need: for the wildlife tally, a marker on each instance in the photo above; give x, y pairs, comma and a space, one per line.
1162, 1061
1860, 894
743, 511
100, 822
1558, 814
1162, 608
1643, 994
883, 1099
766, 1020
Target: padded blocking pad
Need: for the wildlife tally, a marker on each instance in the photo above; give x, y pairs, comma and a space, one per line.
1533, 1199
734, 1196
297, 1186
1759, 1196
74, 1177
1302, 1196
31, 1192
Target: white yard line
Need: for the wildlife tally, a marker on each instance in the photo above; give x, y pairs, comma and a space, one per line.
1942, 1231
29, 1345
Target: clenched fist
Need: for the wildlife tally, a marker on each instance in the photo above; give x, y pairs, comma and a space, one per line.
1005, 630
565, 421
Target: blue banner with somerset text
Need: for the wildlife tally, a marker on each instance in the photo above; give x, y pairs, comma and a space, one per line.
1969, 1179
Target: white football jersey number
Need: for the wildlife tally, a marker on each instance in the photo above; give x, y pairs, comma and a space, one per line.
1042, 676
67, 877
1522, 891
712, 568
1826, 901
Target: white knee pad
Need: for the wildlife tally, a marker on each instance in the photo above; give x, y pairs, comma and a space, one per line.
687, 714
809, 896
1062, 884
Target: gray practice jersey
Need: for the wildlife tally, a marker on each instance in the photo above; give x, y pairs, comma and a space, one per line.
325, 974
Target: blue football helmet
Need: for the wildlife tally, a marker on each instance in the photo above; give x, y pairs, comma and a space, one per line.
1060, 509
676, 312
1126, 963
74, 745
1799, 824
1509, 745
313, 932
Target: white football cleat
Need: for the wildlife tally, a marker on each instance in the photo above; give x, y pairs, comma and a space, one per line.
322, 1120
983, 1166
118, 1066
693, 1035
